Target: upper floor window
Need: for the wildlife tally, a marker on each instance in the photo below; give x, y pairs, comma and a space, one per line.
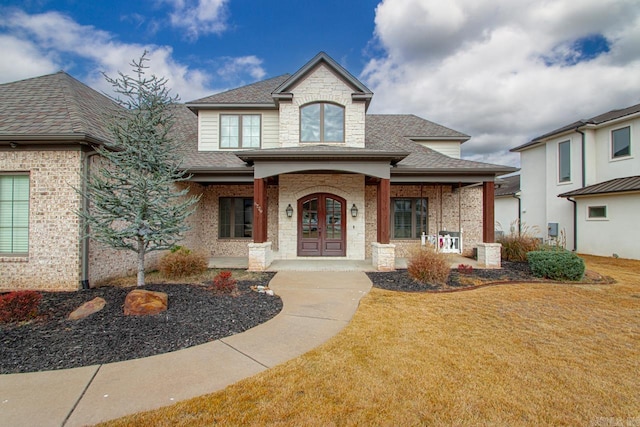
564, 161
322, 122
621, 142
239, 131
14, 213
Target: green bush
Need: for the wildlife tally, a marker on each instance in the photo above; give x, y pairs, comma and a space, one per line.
428, 266
19, 306
557, 264
183, 263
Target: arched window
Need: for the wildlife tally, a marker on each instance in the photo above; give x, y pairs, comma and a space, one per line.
322, 122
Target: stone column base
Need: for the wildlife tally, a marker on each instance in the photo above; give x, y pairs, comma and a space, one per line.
383, 256
260, 256
489, 255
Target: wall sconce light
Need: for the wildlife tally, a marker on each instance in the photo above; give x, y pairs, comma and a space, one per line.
289, 211
13, 144
354, 211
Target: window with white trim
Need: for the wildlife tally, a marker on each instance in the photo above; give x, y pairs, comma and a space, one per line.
564, 161
14, 214
235, 217
322, 122
409, 218
240, 131
597, 212
621, 142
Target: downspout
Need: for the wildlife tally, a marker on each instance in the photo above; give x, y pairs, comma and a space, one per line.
515, 196
575, 224
84, 242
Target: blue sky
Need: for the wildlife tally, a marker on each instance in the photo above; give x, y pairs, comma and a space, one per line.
500, 71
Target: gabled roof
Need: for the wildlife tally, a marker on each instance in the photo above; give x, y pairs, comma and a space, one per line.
618, 185
361, 92
54, 107
593, 121
255, 94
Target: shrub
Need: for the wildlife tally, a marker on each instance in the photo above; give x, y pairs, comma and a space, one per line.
556, 264
517, 244
428, 266
19, 306
225, 283
182, 263
465, 269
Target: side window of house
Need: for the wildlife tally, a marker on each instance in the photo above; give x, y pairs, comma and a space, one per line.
236, 217
597, 212
409, 218
322, 122
564, 161
14, 214
621, 142
239, 131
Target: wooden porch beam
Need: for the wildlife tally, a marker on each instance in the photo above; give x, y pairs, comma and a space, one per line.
384, 210
259, 210
488, 212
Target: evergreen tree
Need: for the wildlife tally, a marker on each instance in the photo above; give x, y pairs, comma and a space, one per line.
134, 201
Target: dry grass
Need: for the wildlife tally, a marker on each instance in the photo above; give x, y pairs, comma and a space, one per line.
533, 354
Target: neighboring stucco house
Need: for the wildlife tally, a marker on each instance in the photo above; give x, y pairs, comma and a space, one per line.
507, 205
290, 167
582, 181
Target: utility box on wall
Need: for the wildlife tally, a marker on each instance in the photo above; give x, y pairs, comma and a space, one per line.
552, 229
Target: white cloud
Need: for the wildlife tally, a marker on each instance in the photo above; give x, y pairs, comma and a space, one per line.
245, 64
479, 66
35, 45
198, 18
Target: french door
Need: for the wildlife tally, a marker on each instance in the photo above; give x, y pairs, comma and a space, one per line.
321, 225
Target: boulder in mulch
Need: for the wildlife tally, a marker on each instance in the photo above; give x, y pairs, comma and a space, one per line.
140, 302
88, 308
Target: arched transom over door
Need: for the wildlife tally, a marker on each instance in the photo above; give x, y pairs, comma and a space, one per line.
321, 225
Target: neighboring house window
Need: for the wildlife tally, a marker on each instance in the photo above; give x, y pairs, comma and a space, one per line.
322, 122
564, 161
621, 142
239, 131
408, 218
236, 217
14, 214
596, 212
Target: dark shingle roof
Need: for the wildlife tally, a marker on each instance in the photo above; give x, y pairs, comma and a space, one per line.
618, 185
54, 105
596, 120
392, 133
507, 186
255, 93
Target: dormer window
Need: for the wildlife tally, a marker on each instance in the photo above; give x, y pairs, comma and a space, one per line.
322, 122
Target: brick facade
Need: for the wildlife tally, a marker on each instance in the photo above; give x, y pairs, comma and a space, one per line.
53, 261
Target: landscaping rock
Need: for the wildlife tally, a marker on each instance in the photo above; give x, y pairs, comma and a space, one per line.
140, 302
88, 308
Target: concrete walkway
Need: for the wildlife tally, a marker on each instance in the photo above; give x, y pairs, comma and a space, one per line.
317, 305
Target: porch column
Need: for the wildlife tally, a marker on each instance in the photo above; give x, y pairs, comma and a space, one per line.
259, 210
488, 213
384, 197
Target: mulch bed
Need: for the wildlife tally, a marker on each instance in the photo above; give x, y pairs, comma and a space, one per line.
195, 315
400, 280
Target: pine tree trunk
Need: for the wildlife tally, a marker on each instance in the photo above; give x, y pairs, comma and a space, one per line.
140, 263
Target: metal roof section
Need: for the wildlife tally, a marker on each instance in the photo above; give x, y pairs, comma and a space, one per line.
619, 185
507, 186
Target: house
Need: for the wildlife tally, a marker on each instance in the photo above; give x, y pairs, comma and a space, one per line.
290, 167
581, 184
507, 205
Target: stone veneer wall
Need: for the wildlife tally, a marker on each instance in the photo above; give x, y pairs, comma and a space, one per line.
469, 199
322, 85
348, 186
53, 261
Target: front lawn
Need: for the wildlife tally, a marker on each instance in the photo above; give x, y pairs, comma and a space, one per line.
522, 354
